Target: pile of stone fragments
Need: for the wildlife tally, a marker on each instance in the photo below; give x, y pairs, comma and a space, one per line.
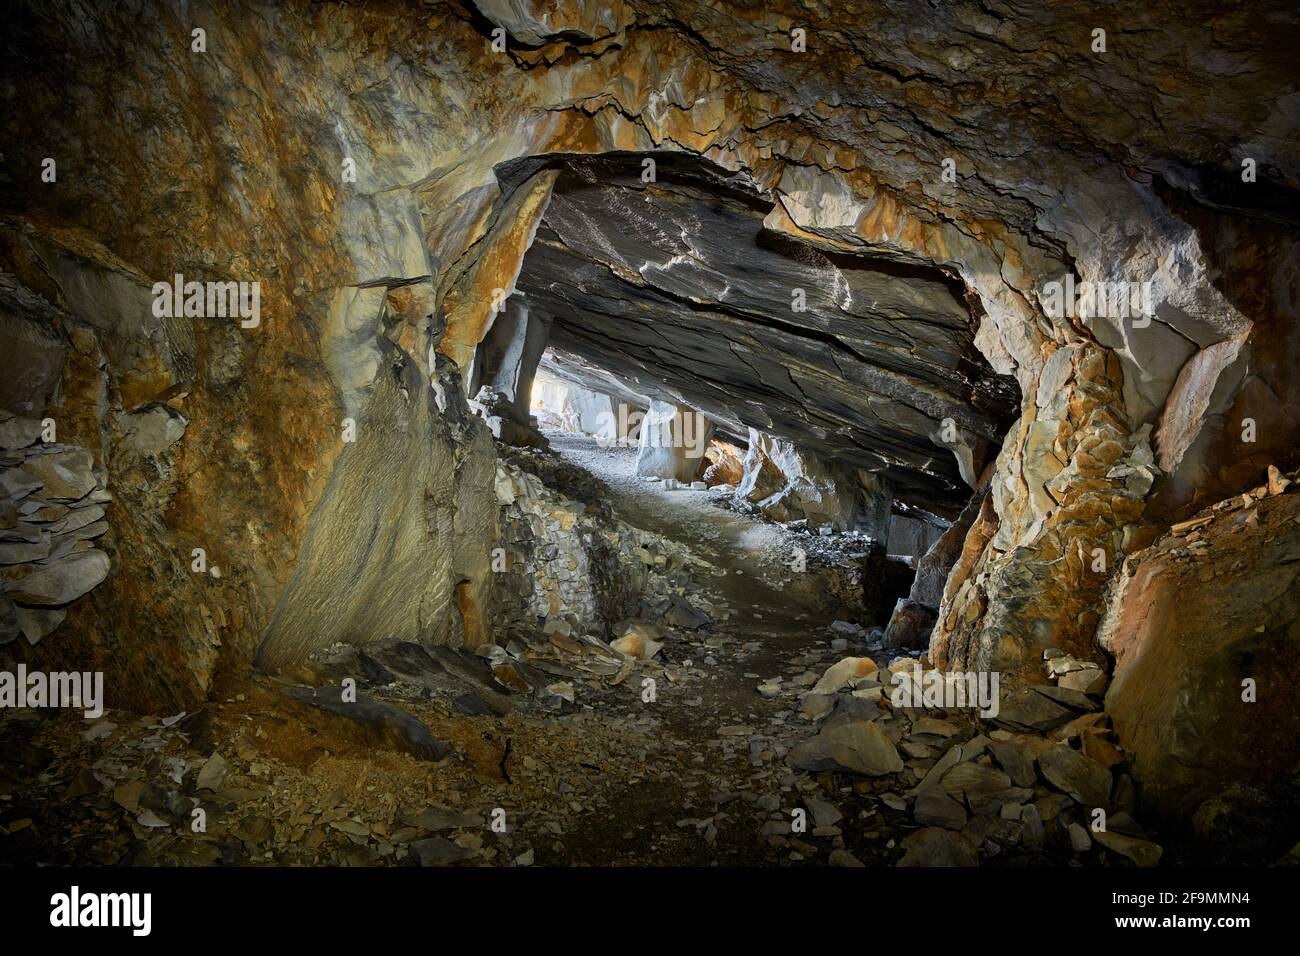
51, 512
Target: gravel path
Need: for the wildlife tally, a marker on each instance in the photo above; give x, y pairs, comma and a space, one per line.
756, 556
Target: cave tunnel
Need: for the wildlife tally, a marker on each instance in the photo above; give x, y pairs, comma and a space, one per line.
552, 434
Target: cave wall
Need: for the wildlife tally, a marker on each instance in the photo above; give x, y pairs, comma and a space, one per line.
235, 163
571, 567
1204, 628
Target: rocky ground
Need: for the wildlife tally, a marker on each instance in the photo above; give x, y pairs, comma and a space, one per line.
790, 566
765, 735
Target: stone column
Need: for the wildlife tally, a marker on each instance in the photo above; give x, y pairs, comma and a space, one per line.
594, 412
673, 441
1067, 496
510, 353
825, 493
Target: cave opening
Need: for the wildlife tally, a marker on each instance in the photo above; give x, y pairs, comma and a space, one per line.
826, 392
599, 410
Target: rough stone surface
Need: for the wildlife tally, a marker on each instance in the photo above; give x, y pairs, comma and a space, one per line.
926, 351
856, 746
1190, 619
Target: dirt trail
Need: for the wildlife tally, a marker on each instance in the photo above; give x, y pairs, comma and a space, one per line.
695, 776
722, 742
754, 555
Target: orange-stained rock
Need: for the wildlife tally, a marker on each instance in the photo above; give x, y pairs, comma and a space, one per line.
1206, 640
229, 165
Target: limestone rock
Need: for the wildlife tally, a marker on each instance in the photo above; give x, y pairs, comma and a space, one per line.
856, 746
934, 846
849, 672
152, 429
62, 582
64, 475
1177, 696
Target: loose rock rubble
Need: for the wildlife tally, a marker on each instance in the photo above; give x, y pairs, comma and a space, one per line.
52, 510
572, 566
677, 733
1041, 780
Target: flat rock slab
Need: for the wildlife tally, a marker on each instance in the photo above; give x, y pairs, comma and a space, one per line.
935, 808
824, 814
1016, 759
435, 819
860, 747
1141, 852
682, 614
61, 583
19, 432
21, 552
975, 782
1071, 772
1025, 709
388, 725
16, 484
935, 846
438, 851
1074, 699
64, 475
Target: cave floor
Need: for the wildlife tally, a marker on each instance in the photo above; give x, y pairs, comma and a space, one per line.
753, 556
697, 776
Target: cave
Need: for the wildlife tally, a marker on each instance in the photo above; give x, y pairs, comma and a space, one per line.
529, 434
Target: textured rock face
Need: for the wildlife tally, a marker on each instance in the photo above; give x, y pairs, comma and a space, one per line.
726, 464
789, 485
1068, 493
678, 287
760, 478
672, 443
399, 544
384, 175
571, 567
911, 535
1204, 626
913, 619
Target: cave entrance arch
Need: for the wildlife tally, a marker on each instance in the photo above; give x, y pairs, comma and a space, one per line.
660, 270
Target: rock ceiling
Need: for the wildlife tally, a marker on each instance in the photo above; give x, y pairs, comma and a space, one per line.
378, 166
676, 287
